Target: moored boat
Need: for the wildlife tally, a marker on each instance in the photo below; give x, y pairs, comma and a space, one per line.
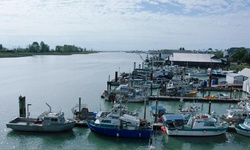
48, 121
236, 115
199, 125
123, 126
243, 128
81, 113
119, 124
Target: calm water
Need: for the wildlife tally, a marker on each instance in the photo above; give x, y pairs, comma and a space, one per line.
61, 80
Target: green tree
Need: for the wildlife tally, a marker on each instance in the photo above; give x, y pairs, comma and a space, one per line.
58, 48
239, 54
44, 47
1, 46
246, 58
218, 53
34, 47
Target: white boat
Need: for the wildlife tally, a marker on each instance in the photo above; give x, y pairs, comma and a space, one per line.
236, 115
199, 125
128, 94
222, 96
48, 121
188, 112
151, 84
243, 128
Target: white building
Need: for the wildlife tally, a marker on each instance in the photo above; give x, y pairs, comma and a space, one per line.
242, 77
246, 82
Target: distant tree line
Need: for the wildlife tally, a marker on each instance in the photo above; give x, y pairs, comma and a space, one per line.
35, 47
41, 47
241, 55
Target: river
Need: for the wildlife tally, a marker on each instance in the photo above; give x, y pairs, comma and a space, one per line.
61, 80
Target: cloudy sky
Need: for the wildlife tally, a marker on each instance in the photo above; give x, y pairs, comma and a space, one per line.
126, 24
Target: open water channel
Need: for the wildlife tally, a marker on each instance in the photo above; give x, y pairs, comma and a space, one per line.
61, 80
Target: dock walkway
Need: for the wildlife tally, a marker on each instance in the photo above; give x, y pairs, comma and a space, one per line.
196, 99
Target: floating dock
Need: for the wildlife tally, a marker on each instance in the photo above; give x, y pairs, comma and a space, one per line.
193, 99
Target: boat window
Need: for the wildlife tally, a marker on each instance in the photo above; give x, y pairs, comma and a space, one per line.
53, 119
106, 121
209, 124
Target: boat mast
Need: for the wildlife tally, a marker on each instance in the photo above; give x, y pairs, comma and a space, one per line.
49, 107
28, 113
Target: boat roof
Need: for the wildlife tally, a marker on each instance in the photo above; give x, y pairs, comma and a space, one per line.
159, 107
129, 118
247, 120
76, 107
171, 117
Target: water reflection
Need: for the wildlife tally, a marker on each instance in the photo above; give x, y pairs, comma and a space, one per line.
106, 142
195, 142
36, 140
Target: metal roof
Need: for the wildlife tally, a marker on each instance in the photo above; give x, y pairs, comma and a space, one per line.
172, 117
160, 107
194, 57
245, 72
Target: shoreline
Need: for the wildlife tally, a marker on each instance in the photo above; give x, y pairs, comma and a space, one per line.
25, 54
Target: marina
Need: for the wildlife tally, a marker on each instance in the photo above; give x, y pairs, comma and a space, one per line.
61, 92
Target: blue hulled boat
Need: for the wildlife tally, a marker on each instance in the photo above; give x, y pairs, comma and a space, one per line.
120, 125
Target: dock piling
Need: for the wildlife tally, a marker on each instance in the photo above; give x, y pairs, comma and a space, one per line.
80, 104
156, 110
209, 108
22, 106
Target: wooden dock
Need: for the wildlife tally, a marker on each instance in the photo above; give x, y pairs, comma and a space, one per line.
193, 99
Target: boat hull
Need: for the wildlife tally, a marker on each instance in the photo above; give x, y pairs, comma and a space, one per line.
27, 124
191, 94
140, 133
196, 132
242, 131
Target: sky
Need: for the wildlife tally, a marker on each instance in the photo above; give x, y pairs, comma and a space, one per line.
126, 24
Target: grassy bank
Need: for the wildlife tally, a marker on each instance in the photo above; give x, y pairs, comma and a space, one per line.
235, 66
24, 54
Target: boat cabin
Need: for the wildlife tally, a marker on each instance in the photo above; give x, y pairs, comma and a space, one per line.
199, 121
173, 121
159, 111
48, 118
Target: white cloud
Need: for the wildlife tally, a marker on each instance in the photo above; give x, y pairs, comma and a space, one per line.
111, 24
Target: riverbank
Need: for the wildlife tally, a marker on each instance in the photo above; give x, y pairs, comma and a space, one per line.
24, 54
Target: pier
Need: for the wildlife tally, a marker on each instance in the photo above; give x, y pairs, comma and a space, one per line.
195, 99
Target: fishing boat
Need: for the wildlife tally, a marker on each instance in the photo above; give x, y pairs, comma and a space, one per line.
189, 111
234, 115
243, 128
157, 111
81, 113
199, 125
190, 93
48, 121
120, 125
223, 96
150, 84
237, 114
218, 73
128, 94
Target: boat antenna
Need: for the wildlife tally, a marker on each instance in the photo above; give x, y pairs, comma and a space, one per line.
100, 106
49, 107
